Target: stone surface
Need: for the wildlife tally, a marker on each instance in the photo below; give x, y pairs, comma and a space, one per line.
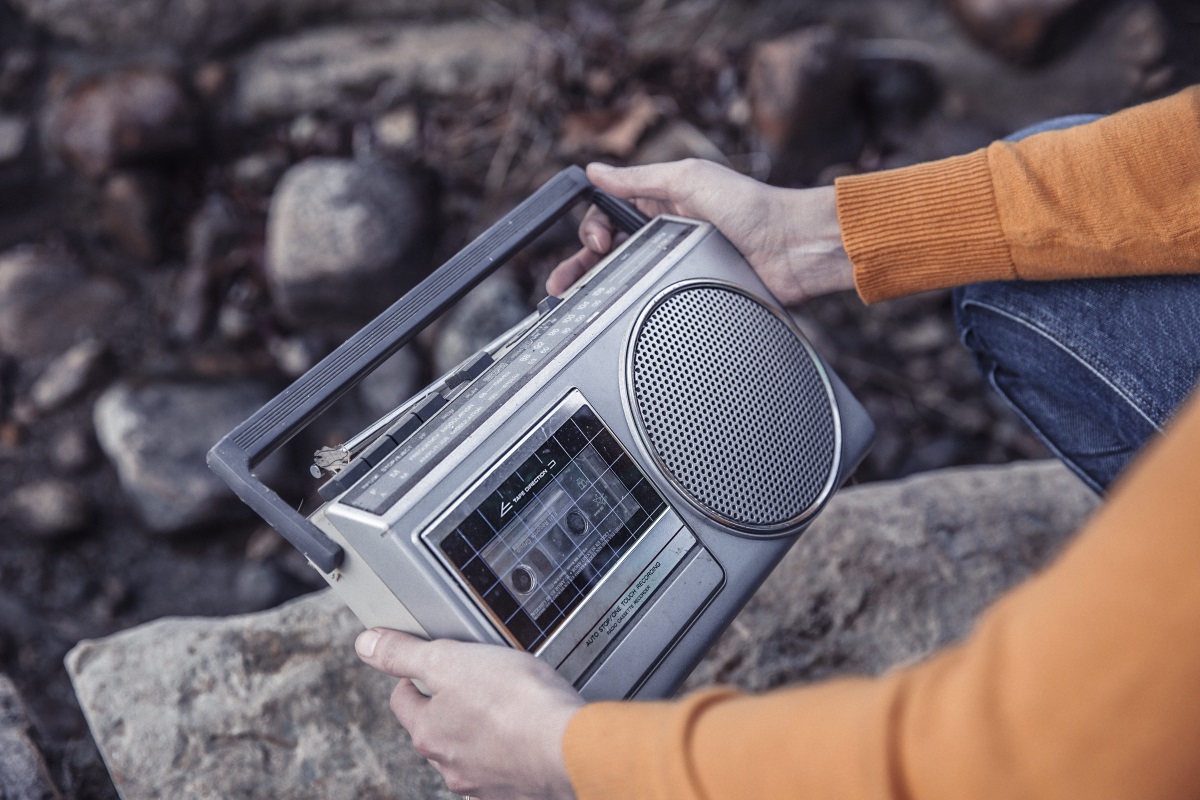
487, 311
395, 380
341, 236
891, 571
677, 141
68, 376
72, 450
265, 706
203, 25
1024, 31
125, 116
48, 303
133, 205
13, 133
344, 68
277, 705
49, 508
157, 437
23, 773
802, 98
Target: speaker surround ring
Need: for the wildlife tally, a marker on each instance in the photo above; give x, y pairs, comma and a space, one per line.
733, 406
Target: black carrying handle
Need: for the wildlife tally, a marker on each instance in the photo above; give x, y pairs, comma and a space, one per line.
237, 454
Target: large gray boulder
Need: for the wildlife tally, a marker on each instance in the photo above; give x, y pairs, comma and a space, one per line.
48, 303
892, 571
341, 239
260, 706
23, 773
200, 26
341, 68
276, 704
157, 436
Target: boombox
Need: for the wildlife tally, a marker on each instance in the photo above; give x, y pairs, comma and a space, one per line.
603, 486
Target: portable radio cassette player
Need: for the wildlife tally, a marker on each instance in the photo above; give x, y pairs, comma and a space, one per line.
604, 486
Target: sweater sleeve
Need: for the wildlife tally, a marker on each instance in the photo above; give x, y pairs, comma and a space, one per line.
1120, 196
1082, 682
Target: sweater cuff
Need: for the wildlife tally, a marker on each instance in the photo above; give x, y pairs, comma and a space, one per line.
632, 749
928, 226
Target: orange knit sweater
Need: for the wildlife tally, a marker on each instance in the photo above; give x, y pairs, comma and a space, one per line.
1084, 682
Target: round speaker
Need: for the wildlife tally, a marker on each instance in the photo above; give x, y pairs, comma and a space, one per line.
734, 407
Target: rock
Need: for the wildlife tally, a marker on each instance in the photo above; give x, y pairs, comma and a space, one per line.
122, 117
191, 311
68, 376
1025, 31
17, 66
802, 98
296, 355
341, 236
677, 141
157, 437
131, 214
23, 773
260, 585
14, 131
398, 129
276, 704
48, 303
487, 311
50, 508
897, 92
891, 571
201, 26
257, 173
258, 706
212, 231
343, 68
395, 380
72, 450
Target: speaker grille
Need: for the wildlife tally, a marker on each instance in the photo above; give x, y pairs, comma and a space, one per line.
734, 406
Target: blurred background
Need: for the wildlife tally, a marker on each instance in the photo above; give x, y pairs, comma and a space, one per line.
200, 198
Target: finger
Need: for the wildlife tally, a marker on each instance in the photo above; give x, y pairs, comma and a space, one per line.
571, 270
596, 231
400, 655
407, 703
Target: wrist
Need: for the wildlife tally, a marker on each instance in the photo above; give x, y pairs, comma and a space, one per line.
816, 258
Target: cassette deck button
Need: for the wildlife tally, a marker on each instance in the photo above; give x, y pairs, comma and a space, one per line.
472, 369
430, 406
404, 427
339, 483
378, 451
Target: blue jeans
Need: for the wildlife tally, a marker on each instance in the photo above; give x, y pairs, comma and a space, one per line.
1095, 367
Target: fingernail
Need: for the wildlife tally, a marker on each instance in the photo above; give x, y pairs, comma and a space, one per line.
365, 643
594, 242
599, 166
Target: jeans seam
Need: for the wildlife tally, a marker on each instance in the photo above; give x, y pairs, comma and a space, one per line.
1117, 390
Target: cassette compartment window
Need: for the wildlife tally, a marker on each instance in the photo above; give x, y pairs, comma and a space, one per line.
551, 531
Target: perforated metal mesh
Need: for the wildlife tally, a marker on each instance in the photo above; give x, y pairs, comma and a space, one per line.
734, 406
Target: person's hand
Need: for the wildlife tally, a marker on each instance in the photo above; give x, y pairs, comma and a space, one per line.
494, 721
791, 237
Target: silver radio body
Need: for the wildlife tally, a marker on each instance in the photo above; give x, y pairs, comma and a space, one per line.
608, 485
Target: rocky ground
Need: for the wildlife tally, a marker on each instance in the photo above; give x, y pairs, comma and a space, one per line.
197, 200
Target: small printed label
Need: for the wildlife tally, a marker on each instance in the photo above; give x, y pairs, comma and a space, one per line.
627, 605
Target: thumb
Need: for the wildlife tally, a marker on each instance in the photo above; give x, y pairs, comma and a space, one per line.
649, 182
398, 654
